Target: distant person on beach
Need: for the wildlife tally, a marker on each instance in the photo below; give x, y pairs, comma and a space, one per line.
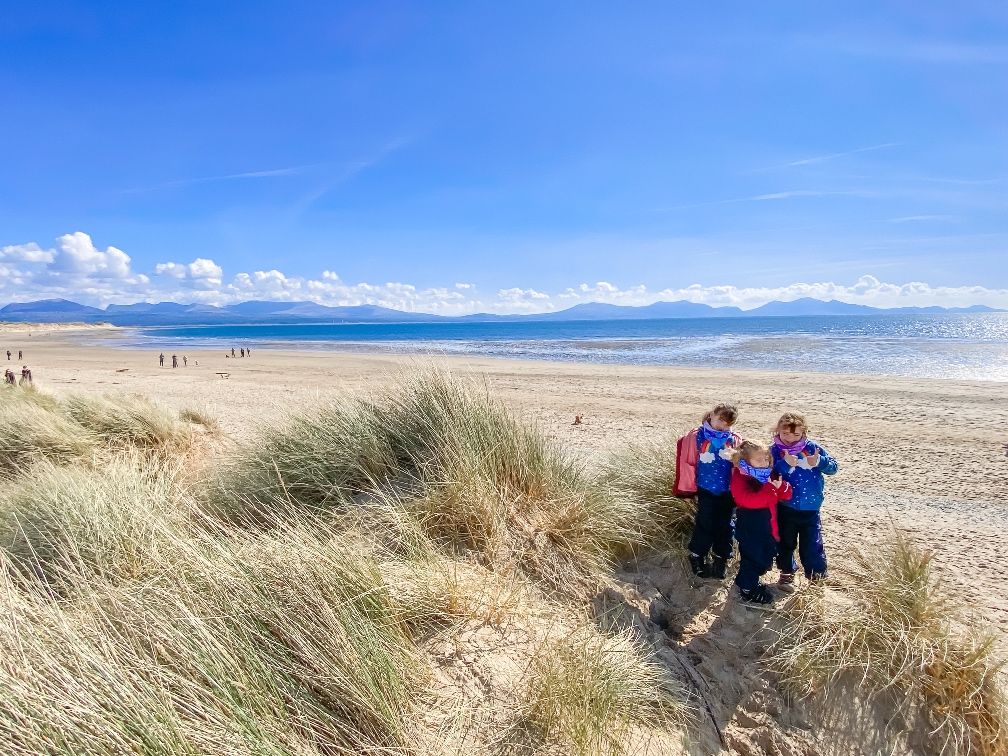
232, 352
174, 361
185, 361
802, 463
162, 359
248, 352
242, 352
9, 377
8, 355
20, 356
756, 488
26, 376
713, 448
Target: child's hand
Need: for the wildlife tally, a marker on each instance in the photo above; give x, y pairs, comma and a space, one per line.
791, 459
813, 459
777, 482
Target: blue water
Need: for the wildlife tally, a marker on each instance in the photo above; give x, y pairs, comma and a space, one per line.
967, 346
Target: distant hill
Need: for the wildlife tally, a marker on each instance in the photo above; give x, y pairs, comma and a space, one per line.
259, 312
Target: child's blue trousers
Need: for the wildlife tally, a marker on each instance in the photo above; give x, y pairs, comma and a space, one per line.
713, 526
801, 529
756, 545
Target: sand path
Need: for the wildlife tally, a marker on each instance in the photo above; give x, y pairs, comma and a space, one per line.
926, 454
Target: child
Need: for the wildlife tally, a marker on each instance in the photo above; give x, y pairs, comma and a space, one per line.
757, 488
712, 529
802, 463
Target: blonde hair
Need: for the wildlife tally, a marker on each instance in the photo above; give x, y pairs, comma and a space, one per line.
727, 412
746, 451
793, 422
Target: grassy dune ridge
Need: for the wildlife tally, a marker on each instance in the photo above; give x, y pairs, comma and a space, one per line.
291, 596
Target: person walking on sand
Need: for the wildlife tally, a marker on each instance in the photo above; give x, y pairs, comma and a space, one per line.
162, 359
174, 361
243, 353
232, 352
8, 355
26, 376
20, 356
185, 361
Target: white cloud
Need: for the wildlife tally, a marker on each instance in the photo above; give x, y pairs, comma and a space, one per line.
76, 269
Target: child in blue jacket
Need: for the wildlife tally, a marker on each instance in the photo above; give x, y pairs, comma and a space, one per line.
712, 529
802, 463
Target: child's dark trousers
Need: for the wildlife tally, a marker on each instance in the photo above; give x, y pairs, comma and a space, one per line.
713, 527
800, 529
756, 545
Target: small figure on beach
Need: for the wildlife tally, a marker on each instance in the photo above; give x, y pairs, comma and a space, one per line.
10, 378
802, 463
578, 419
756, 488
26, 376
707, 455
232, 352
242, 352
174, 361
248, 352
8, 355
162, 359
185, 361
20, 356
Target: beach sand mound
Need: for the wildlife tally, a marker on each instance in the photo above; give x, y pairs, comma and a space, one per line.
420, 571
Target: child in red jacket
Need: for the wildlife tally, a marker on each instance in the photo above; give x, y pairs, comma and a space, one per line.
756, 488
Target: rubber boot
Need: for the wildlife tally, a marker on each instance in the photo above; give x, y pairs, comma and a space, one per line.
719, 569
699, 565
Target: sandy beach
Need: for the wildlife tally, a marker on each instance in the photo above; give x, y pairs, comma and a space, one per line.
928, 455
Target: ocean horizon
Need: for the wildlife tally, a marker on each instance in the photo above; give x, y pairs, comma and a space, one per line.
957, 346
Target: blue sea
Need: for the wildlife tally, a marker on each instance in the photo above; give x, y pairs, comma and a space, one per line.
966, 346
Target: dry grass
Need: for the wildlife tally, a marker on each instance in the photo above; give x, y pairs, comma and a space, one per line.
451, 458
587, 692
37, 427
893, 629
643, 476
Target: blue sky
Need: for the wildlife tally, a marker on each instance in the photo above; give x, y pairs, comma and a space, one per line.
506, 156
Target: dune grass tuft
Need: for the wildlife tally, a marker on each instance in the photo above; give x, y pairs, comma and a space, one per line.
125, 420
283, 642
586, 692
450, 456
894, 629
643, 476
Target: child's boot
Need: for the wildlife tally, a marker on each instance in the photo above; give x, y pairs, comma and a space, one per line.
719, 569
699, 565
785, 583
758, 598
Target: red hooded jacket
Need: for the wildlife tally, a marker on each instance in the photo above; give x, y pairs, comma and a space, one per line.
749, 493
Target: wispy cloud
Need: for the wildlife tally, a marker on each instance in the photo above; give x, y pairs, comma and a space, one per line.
226, 177
789, 194
915, 218
829, 156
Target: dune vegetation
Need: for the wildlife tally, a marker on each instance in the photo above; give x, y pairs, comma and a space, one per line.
409, 571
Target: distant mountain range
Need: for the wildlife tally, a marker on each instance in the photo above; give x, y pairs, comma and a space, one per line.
255, 312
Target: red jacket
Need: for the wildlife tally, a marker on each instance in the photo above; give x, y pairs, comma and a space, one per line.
748, 496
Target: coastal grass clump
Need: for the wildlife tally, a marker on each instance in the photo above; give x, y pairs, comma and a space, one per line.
447, 453
643, 477
280, 642
38, 427
586, 692
65, 523
894, 630
122, 420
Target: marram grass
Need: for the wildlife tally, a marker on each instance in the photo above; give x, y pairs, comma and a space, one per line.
893, 629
